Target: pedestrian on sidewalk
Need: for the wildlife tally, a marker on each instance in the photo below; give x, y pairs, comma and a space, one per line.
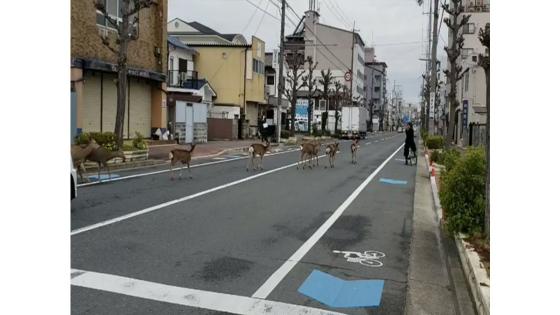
409, 142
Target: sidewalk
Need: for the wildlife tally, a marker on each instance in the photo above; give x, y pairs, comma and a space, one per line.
211, 148
436, 283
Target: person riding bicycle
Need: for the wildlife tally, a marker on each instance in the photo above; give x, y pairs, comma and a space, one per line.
409, 142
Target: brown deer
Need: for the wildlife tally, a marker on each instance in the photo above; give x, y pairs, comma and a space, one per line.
101, 156
183, 156
354, 149
260, 150
309, 149
79, 154
331, 151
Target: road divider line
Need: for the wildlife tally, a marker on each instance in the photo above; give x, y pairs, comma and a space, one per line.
280, 273
215, 301
176, 169
172, 202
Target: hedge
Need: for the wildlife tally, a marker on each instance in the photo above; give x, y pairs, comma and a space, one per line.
462, 193
434, 142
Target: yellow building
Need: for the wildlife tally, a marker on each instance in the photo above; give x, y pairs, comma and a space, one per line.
234, 69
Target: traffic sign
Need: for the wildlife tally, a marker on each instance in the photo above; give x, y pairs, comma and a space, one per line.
348, 76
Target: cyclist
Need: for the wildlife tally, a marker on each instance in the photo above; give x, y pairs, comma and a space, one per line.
409, 142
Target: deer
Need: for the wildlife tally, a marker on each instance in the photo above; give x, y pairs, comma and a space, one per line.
331, 151
260, 150
101, 156
311, 150
182, 155
79, 154
354, 149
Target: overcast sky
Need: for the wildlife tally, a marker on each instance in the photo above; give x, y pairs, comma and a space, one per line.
396, 28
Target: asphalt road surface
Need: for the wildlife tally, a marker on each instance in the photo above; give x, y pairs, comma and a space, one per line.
232, 241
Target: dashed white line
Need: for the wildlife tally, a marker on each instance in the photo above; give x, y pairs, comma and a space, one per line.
172, 202
215, 301
175, 169
280, 273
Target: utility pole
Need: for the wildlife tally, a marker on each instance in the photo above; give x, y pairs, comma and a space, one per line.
352, 66
426, 109
280, 74
433, 76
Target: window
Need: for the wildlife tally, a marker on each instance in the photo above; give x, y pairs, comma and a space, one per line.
171, 63
258, 66
113, 8
466, 82
377, 89
468, 28
475, 58
270, 80
465, 52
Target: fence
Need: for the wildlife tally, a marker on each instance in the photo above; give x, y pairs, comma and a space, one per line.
477, 134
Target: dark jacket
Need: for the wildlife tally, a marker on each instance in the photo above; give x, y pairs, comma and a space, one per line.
409, 136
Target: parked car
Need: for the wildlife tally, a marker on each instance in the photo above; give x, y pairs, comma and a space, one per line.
73, 181
400, 130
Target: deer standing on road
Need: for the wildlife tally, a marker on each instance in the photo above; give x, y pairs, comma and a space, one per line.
331, 151
260, 150
354, 149
183, 156
101, 156
79, 154
309, 150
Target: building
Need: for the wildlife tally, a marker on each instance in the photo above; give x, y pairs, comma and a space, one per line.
272, 73
471, 89
342, 51
189, 97
375, 88
234, 69
94, 77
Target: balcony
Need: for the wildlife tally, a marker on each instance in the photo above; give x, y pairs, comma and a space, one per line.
181, 79
479, 6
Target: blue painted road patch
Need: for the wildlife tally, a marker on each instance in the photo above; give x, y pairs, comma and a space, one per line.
103, 177
338, 293
393, 181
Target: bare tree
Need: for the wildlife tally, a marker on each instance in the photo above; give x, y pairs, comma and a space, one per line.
338, 92
326, 81
311, 84
454, 73
126, 25
294, 84
484, 62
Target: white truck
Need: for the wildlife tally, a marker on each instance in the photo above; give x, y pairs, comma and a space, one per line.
354, 122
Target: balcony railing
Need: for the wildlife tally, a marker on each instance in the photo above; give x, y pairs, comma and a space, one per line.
181, 79
477, 7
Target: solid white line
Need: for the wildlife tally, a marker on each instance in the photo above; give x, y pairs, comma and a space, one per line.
278, 275
175, 169
222, 302
172, 202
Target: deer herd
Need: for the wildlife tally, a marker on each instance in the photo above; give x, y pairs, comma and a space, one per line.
309, 156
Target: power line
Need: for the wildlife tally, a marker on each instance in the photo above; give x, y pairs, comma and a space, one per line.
261, 9
342, 13
251, 18
262, 18
336, 13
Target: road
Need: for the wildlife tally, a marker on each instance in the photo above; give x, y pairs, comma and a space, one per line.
238, 241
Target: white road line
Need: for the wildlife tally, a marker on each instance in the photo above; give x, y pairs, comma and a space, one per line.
172, 202
368, 143
278, 275
175, 169
185, 296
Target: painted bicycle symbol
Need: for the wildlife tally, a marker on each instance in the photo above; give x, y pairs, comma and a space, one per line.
370, 258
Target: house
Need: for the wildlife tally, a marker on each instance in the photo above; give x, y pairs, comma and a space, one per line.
94, 76
234, 68
342, 51
189, 97
471, 89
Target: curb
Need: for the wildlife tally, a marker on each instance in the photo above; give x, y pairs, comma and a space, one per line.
475, 274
